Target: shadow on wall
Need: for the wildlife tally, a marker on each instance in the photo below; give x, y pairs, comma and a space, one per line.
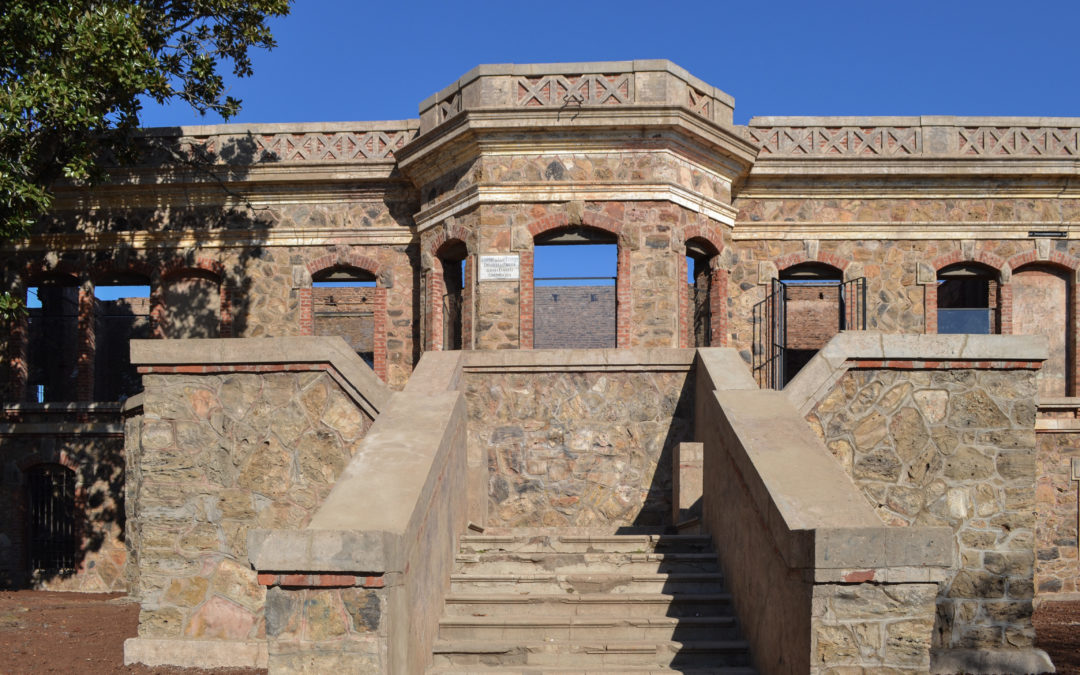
656, 511
203, 295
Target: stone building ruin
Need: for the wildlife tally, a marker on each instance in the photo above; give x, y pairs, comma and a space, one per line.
341, 425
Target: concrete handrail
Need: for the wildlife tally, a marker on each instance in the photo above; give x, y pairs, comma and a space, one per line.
788, 518
395, 511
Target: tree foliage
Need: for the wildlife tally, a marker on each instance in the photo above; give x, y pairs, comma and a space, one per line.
73, 72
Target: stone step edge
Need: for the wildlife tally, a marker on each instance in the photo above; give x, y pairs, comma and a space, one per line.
673, 577
587, 598
637, 670
555, 620
598, 556
587, 538
589, 646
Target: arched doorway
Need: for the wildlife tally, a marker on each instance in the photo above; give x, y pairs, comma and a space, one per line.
808, 304
343, 303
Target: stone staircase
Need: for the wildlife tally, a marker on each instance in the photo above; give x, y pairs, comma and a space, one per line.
543, 602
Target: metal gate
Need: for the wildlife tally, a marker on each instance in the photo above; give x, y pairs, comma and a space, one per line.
770, 324
52, 518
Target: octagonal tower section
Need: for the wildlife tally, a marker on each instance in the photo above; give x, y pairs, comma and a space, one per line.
639, 156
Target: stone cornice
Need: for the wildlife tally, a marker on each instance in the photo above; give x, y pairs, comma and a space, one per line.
209, 239
467, 133
475, 195
906, 230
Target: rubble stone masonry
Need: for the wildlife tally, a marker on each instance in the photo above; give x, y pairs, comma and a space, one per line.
216, 455
950, 447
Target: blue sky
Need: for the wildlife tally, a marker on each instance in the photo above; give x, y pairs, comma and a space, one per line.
344, 61
349, 61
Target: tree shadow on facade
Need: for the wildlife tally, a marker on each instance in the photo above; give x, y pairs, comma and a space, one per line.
194, 294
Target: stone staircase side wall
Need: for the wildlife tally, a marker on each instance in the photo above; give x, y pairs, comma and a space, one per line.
361, 588
254, 435
940, 431
818, 581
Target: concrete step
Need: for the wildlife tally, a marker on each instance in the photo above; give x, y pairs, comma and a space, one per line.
580, 628
587, 543
590, 604
694, 582
636, 670
591, 654
506, 562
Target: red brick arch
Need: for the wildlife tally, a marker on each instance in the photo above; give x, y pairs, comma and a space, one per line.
435, 288
1065, 263
556, 221
792, 259
1056, 259
178, 267
718, 291
1004, 295
981, 257
359, 261
447, 234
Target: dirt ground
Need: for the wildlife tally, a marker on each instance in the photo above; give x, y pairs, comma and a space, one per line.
82, 633
45, 632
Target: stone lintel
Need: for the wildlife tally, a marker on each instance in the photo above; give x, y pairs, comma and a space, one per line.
191, 653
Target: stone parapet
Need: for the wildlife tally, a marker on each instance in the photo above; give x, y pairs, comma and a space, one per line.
926, 136
291, 354
574, 86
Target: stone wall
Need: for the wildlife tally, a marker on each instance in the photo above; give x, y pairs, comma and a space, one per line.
951, 447
93, 451
872, 626
1057, 568
583, 445
218, 454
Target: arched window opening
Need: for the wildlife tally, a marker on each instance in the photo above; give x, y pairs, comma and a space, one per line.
121, 314
815, 312
699, 279
574, 280
967, 299
343, 303
53, 533
1042, 303
52, 346
192, 300
452, 257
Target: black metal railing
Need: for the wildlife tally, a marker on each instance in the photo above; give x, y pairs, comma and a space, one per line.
770, 323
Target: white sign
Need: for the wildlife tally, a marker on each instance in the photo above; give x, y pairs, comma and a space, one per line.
499, 268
